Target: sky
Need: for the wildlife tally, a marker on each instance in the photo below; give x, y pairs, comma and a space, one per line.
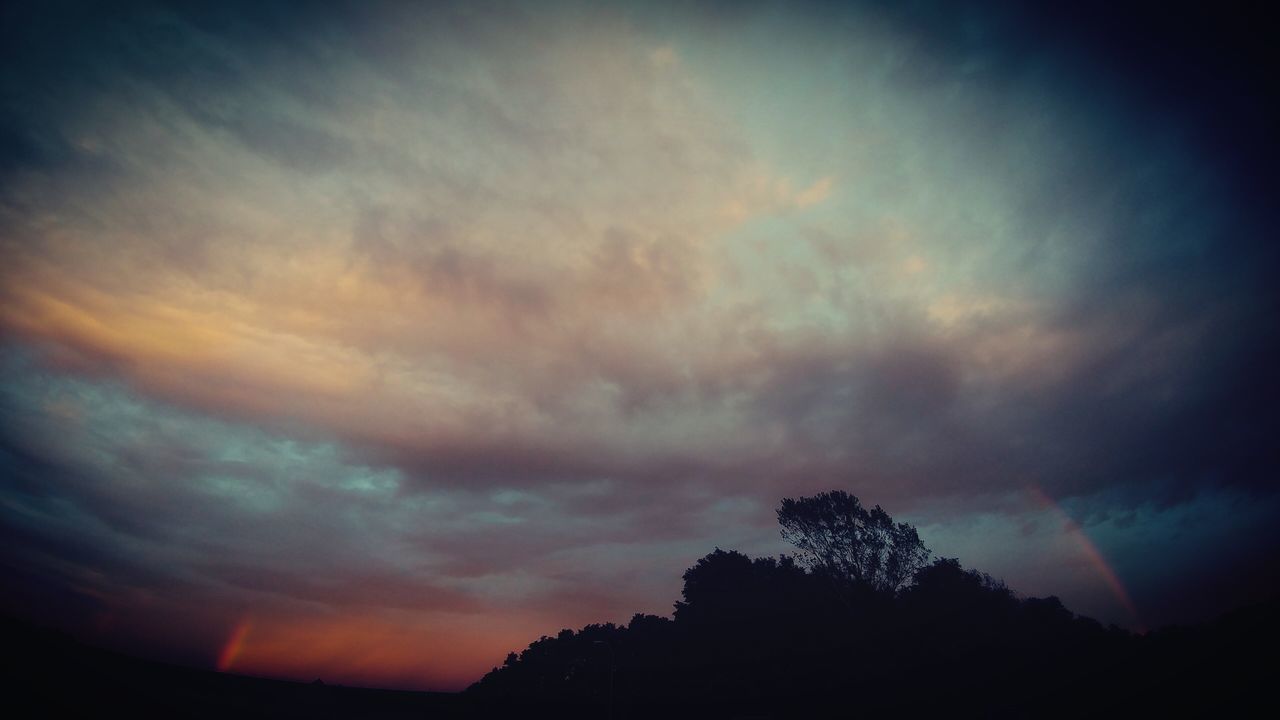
375, 341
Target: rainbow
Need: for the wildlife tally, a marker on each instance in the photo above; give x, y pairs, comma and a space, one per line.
1090, 552
234, 645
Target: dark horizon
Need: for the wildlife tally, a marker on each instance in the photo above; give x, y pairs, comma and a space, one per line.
58, 646
373, 342
764, 637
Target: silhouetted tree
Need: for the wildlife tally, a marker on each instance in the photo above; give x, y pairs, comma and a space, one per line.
837, 536
766, 637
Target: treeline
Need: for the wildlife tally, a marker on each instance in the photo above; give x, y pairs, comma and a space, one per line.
842, 631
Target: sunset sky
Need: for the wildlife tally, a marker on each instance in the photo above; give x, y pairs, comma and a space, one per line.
373, 343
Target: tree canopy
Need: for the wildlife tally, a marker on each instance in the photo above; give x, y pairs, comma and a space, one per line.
766, 637
836, 535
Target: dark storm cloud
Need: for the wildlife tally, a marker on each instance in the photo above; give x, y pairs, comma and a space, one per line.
1174, 296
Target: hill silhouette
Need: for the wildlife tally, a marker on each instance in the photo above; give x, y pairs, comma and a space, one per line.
769, 637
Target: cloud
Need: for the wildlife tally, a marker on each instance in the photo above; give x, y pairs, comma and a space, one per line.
484, 301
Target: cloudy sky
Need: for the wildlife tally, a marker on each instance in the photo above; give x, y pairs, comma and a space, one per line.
373, 343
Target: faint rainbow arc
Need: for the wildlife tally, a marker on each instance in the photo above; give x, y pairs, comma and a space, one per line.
1091, 552
235, 645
